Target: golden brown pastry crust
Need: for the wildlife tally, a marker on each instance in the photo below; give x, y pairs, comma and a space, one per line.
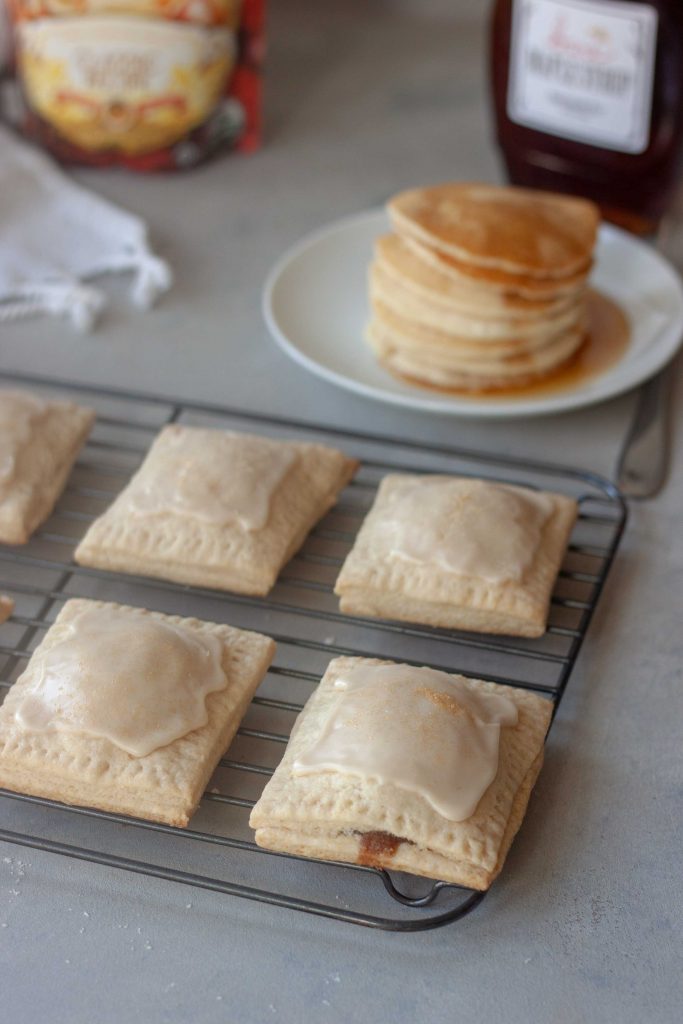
374, 583
177, 547
164, 785
43, 464
325, 815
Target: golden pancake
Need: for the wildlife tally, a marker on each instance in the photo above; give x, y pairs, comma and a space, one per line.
492, 279
502, 228
481, 287
421, 371
408, 372
418, 337
427, 280
387, 336
468, 327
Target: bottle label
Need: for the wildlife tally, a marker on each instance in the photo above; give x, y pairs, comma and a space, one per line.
583, 69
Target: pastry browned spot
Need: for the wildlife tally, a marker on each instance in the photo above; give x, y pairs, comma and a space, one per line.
375, 849
6, 607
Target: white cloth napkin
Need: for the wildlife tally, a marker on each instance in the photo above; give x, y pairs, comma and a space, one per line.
54, 235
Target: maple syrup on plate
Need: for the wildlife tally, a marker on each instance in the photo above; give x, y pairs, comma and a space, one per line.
606, 341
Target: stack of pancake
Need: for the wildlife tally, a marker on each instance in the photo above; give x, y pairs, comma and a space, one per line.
481, 287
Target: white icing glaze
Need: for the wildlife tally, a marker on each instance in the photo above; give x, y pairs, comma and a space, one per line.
467, 527
18, 412
134, 680
210, 475
416, 728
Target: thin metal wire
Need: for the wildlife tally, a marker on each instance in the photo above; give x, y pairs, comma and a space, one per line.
303, 595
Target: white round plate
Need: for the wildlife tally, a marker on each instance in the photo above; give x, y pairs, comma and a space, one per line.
316, 307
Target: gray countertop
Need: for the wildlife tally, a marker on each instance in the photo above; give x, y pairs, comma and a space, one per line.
585, 922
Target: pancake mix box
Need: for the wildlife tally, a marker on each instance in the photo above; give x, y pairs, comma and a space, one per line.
148, 84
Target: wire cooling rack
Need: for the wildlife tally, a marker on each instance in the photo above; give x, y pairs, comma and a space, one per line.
217, 852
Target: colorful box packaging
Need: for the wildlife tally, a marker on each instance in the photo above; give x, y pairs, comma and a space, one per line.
148, 84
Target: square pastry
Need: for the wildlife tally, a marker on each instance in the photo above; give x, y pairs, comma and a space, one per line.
406, 768
459, 553
128, 710
39, 441
217, 509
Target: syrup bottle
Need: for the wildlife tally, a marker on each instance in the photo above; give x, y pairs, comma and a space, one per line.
589, 100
